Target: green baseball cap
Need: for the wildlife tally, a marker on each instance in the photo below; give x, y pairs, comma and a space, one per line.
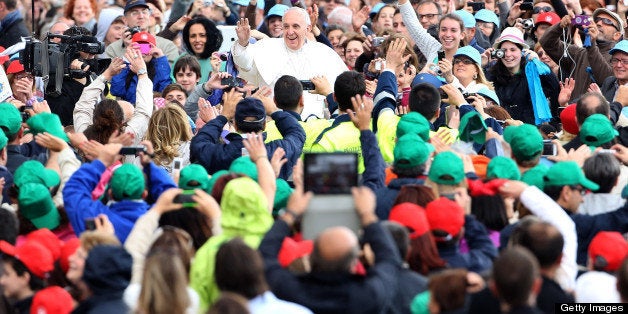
10, 119
245, 166
447, 168
597, 130
568, 173
127, 183
525, 141
36, 205
194, 176
473, 128
3, 140
414, 122
501, 167
214, 178
33, 171
281, 195
534, 176
411, 151
47, 122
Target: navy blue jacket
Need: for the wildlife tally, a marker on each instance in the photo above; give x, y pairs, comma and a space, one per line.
336, 292
374, 166
481, 249
588, 226
207, 149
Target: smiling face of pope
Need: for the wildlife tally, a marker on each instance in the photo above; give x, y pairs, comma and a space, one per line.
295, 29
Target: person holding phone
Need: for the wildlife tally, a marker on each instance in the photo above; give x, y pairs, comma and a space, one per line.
157, 67
127, 189
335, 253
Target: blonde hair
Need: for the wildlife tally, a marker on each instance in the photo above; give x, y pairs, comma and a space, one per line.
90, 239
482, 78
164, 285
168, 127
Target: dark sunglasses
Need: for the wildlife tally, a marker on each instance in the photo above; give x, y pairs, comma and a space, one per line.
606, 21
463, 60
538, 10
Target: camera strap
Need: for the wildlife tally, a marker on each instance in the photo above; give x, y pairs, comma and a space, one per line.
45, 66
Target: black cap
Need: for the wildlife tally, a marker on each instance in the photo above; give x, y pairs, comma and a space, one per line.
134, 3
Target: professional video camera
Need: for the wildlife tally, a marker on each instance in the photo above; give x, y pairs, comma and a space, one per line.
51, 60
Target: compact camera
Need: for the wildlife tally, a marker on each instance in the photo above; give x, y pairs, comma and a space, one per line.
498, 53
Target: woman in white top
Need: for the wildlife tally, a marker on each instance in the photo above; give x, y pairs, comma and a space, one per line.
467, 71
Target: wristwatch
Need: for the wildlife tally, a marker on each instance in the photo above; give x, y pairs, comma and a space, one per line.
141, 71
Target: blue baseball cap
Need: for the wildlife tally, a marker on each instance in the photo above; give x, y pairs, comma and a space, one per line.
470, 53
376, 9
250, 107
134, 3
427, 78
485, 92
487, 16
277, 10
467, 18
621, 46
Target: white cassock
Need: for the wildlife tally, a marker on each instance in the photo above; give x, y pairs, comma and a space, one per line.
264, 62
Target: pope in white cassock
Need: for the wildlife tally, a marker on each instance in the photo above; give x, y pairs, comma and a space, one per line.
264, 62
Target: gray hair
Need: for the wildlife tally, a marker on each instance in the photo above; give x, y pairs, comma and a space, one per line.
304, 14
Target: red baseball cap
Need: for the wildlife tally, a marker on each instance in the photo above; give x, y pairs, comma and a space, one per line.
446, 215
48, 239
292, 250
610, 245
411, 216
550, 18
15, 67
68, 248
568, 119
144, 37
36, 257
52, 300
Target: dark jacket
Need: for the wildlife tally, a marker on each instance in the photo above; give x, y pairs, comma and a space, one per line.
514, 94
12, 34
336, 292
596, 57
410, 283
374, 166
207, 149
481, 249
19, 154
77, 197
588, 226
63, 104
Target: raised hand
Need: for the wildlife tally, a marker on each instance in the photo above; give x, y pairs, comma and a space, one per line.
243, 30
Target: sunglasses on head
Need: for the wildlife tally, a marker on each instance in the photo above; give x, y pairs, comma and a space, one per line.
538, 10
606, 21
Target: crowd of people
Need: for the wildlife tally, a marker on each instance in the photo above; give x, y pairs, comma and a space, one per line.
162, 171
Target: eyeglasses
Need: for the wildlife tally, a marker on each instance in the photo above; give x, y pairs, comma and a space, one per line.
145, 12
463, 60
335, 1
606, 21
488, 25
578, 188
24, 75
538, 10
428, 16
615, 61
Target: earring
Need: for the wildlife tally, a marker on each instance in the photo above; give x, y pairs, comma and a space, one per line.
475, 76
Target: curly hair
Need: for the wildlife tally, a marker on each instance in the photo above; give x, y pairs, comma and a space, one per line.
108, 117
167, 129
69, 8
